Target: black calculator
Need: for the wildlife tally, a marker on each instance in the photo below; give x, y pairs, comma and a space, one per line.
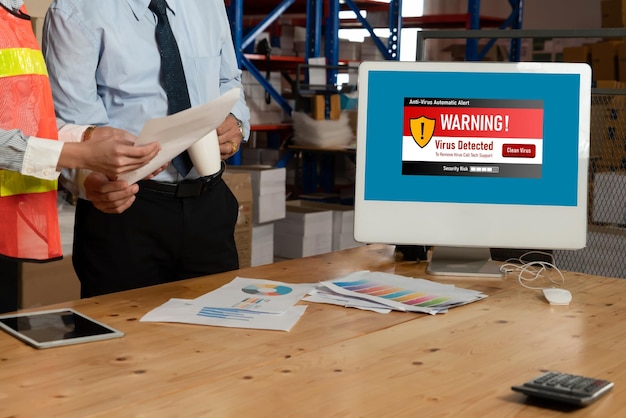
564, 387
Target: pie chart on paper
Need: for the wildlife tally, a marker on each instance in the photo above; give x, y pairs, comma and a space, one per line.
267, 290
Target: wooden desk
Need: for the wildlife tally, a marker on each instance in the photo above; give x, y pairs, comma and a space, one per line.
335, 362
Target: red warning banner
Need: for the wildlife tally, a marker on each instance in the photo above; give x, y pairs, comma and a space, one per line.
475, 121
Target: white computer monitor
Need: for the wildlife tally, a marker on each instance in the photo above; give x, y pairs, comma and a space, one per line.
468, 156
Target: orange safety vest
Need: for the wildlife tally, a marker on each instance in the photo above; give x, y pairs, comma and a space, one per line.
29, 222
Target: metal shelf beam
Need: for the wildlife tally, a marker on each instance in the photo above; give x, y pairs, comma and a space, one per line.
314, 18
514, 34
514, 21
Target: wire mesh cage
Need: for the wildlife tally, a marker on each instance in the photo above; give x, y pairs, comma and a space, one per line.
605, 253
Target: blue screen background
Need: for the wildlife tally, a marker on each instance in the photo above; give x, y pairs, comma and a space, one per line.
385, 110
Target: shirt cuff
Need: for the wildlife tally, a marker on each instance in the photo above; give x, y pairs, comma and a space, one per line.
72, 133
41, 158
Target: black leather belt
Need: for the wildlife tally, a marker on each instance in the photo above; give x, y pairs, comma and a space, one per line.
186, 188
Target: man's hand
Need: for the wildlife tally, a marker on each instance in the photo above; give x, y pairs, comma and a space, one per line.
109, 151
229, 136
109, 196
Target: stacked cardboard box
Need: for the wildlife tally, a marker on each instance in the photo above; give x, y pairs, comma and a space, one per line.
262, 244
268, 191
608, 128
268, 187
580, 53
240, 185
343, 222
261, 112
304, 231
613, 13
604, 60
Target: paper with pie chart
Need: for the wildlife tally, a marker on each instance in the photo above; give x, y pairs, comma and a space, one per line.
242, 303
256, 295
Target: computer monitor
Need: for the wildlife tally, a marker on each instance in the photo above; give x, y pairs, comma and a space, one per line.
468, 156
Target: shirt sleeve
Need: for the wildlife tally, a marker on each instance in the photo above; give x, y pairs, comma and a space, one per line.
41, 158
79, 104
30, 156
230, 77
12, 148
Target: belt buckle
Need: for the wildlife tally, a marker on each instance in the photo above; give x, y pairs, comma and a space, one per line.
188, 189
193, 188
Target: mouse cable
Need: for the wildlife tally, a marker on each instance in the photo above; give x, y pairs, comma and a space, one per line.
532, 271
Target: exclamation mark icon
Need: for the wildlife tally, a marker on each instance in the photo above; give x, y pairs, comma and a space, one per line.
422, 130
506, 123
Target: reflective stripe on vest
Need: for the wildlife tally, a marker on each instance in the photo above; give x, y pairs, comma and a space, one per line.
17, 62
12, 183
21, 61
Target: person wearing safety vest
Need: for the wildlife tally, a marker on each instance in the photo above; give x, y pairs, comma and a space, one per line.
30, 155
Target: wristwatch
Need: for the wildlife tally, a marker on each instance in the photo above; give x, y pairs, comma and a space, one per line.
239, 125
87, 133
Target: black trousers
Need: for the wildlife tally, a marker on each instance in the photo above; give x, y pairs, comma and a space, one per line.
159, 239
9, 284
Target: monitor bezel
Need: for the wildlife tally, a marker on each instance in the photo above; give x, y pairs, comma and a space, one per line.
386, 222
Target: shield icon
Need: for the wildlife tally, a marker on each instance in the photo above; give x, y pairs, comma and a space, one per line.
422, 130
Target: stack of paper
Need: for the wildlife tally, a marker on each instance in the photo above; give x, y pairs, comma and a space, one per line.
242, 303
383, 292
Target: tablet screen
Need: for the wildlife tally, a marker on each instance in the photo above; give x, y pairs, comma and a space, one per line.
56, 327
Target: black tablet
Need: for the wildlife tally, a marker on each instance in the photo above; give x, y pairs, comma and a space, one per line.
53, 328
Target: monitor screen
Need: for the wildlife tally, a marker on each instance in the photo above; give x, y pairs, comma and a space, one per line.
467, 156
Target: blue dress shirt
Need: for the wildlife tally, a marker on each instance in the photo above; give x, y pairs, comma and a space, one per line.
104, 63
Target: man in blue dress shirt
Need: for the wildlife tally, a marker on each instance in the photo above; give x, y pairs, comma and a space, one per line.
105, 68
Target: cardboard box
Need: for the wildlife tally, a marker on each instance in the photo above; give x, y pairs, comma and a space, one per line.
262, 156
268, 191
37, 8
613, 13
621, 62
577, 54
54, 282
241, 186
262, 244
47, 283
496, 53
303, 232
262, 112
318, 107
604, 60
297, 246
343, 222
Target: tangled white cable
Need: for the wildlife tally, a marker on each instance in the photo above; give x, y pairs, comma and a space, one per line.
532, 271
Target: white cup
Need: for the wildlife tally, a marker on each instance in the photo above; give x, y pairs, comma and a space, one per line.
205, 154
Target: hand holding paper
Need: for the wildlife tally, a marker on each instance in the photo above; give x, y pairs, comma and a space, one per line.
178, 132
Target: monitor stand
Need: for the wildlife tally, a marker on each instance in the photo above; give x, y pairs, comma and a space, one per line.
463, 261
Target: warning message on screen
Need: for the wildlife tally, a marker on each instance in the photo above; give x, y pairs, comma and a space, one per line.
472, 137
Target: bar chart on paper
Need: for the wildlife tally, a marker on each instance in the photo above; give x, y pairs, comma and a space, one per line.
242, 303
226, 313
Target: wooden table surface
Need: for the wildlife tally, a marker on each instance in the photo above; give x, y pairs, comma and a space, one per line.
335, 362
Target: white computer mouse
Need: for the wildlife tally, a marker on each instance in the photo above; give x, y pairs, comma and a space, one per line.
557, 296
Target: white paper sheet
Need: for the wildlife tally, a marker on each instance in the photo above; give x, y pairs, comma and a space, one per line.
188, 312
242, 303
178, 132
